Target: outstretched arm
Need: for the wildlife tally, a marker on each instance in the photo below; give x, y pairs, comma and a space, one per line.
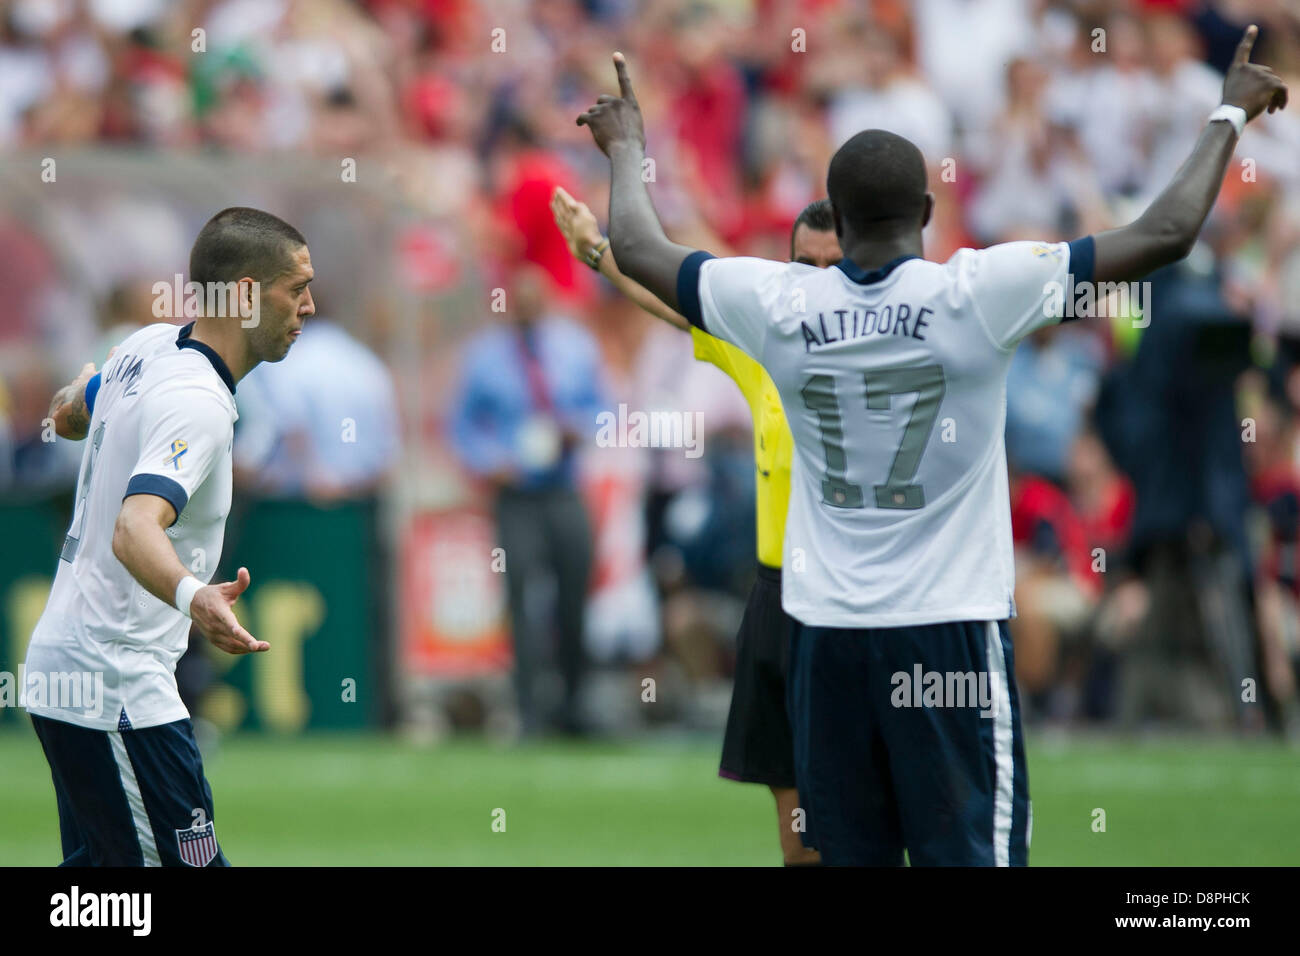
140, 542
1167, 230
578, 226
645, 254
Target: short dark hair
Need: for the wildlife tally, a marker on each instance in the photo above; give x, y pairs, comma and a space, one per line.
877, 182
239, 242
816, 216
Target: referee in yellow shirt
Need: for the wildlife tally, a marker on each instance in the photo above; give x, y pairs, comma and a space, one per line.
758, 746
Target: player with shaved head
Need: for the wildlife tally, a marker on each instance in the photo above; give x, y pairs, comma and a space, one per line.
146, 536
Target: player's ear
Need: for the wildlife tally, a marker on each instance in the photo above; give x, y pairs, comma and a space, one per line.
839, 226
249, 289
928, 211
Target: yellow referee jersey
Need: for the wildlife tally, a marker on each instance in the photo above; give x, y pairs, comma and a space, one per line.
773, 443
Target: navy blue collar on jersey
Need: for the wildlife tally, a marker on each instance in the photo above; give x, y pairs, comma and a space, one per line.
183, 341
862, 277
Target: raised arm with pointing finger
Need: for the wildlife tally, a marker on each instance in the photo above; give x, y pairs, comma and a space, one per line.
1167, 230
1161, 235
644, 252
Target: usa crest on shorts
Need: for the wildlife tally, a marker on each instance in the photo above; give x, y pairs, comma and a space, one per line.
198, 845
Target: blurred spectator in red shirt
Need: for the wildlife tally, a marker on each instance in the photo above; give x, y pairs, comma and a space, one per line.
527, 176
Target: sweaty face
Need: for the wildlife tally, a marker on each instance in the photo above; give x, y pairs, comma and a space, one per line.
813, 247
285, 304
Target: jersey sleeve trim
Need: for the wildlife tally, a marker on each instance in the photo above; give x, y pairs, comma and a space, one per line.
688, 288
92, 391
1083, 259
161, 487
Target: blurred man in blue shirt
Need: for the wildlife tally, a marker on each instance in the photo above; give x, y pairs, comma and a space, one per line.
529, 395
323, 425
1051, 385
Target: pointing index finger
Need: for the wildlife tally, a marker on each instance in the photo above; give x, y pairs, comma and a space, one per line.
624, 83
1242, 56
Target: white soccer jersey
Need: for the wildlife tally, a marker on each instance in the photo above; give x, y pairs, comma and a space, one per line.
894, 382
162, 423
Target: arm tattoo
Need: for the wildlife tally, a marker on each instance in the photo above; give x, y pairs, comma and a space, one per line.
70, 403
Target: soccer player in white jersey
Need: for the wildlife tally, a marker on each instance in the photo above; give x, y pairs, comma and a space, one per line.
146, 536
897, 554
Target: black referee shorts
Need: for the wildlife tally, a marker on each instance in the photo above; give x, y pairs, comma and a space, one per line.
130, 797
759, 746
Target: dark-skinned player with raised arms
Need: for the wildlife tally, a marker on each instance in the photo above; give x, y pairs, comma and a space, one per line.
905, 528
758, 746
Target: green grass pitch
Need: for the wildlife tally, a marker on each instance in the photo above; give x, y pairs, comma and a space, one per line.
371, 800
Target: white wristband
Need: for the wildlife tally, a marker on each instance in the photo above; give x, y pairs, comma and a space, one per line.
185, 592
1233, 114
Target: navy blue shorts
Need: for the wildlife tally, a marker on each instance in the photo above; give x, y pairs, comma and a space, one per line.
130, 797
909, 738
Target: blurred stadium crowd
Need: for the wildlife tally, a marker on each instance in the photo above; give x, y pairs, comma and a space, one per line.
1156, 473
